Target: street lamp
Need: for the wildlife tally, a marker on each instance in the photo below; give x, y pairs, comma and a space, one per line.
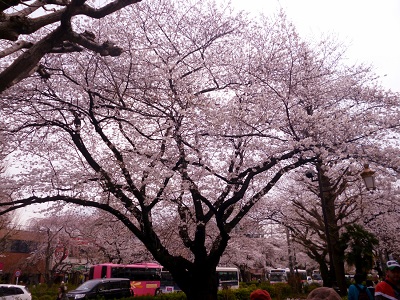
369, 178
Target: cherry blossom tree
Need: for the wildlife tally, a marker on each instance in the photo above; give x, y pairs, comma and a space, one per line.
258, 243
31, 29
379, 216
8, 223
60, 238
121, 248
7, 229
197, 122
311, 92
247, 248
69, 239
346, 202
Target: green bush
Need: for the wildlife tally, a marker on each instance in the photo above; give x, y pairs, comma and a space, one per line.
168, 296
265, 286
243, 293
252, 284
226, 295
43, 292
280, 291
44, 297
309, 287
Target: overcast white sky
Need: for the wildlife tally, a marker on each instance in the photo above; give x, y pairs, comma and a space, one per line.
371, 29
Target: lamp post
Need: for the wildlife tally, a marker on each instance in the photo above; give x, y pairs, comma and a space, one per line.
369, 178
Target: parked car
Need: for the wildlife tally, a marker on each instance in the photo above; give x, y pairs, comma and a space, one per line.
14, 292
106, 288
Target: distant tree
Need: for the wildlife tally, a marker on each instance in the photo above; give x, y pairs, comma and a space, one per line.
7, 230
121, 248
380, 218
60, 238
347, 203
30, 30
201, 120
8, 222
253, 247
308, 225
361, 246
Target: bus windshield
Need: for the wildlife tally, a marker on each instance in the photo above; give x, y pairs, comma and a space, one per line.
228, 277
277, 277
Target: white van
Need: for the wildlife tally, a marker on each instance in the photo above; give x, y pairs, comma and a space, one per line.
277, 275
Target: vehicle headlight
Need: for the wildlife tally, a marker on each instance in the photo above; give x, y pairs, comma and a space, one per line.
79, 296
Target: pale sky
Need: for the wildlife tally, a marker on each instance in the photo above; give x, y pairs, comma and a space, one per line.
370, 29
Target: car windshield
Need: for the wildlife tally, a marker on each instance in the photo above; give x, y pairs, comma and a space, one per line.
317, 277
276, 277
86, 286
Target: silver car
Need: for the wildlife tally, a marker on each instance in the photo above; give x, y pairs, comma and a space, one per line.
14, 292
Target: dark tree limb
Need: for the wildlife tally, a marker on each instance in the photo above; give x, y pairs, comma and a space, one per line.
60, 40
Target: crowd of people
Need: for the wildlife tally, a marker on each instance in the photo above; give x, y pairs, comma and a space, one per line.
387, 289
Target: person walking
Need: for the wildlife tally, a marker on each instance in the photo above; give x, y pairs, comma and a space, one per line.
370, 285
388, 289
61, 295
358, 291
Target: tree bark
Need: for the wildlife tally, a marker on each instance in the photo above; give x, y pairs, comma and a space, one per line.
26, 63
202, 285
328, 197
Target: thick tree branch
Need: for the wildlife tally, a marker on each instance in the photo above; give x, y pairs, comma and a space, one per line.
15, 47
16, 24
26, 63
13, 25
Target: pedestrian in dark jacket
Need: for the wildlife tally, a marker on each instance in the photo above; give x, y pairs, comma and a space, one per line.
61, 294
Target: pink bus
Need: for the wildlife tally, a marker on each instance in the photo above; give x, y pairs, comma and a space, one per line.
144, 277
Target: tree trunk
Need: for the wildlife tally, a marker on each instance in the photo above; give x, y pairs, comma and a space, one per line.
338, 263
204, 289
202, 285
323, 269
337, 255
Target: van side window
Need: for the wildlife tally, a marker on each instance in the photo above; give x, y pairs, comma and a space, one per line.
17, 291
9, 291
103, 272
115, 285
